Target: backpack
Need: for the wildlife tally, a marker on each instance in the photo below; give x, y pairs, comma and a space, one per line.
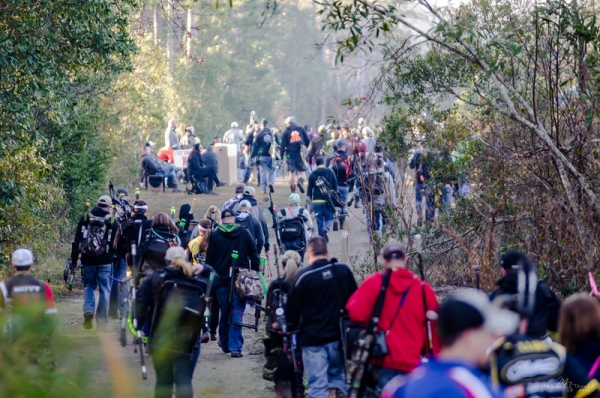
96, 235
155, 246
291, 229
374, 186
185, 231
248, 284
180, 303
341, 163
25, 299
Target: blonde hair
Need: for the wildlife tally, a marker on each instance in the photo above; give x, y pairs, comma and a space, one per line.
290, 262
180, 262
213, 213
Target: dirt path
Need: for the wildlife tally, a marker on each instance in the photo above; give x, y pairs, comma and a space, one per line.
217, 374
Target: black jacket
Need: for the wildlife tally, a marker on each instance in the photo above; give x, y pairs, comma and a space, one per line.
210, 159
316, 301
106, 258
149, 164
194, 161
129, 232
223, 241
313, 191
546, 309
258, 214
586, 354
292, 140
248, 221
341, 166
261, 144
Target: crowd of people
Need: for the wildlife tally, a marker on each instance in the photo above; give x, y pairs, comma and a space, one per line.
194, 280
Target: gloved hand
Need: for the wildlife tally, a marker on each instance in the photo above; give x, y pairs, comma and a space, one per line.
267, 247
73, 264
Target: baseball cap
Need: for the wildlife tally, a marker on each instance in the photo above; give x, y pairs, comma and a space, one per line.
150, 144
227, 213
294, 198
22, 258
197, 141
104, 200
249, 191
290, 119
341, 142
471, 309
393, 250
264, 121
512, 260
174, 252
217, 136
239, 188
244, 204
122, 192
234, 125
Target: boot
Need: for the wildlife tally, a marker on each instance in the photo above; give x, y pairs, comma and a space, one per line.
336, 225
300, 185
357, 204
293, 188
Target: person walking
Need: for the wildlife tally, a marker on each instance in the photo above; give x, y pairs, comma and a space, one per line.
245, 218
230, 247
94, 241
341, 165
292, 140
257, 212
27, 312
402, 317
314, 307
291, 212
468, 326
262, 150
319, 178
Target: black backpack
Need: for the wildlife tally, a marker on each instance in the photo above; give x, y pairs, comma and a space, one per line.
96, 235
185, 231
178, 316
291, 229
155, 246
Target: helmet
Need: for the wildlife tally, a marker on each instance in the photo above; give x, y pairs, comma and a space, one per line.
234, 125
290, 119
197, 141
22, 258
294, 198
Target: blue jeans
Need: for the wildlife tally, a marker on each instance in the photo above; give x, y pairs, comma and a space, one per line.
420, 194
117, 295
96, 277
267, 172
230, 336
343, 194
324, 367
324, 217
447, 193
168, 171
378, 220
175, 369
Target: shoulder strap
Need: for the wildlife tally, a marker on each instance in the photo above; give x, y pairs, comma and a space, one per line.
400, 304
385, 281
594, 368
291, 212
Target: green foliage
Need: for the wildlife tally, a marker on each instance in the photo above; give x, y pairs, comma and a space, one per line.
57, 60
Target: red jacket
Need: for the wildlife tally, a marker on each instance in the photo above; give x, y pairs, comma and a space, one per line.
408, 334
166, 154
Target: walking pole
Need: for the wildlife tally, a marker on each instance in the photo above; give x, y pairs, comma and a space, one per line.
428, 315
135, 324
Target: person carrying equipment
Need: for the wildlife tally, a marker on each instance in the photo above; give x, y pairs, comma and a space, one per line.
320, 183
292, 140
295, 226
94, 238
157, 241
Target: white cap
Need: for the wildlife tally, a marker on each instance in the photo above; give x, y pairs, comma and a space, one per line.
22, 258
245, 205
234, 125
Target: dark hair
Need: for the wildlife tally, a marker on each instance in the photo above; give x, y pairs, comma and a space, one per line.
163, 219
317, 246
454, 318
320, 161
579, 321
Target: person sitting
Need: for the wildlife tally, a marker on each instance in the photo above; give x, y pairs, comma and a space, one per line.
152, 167
211, 160
291, 212
197, 169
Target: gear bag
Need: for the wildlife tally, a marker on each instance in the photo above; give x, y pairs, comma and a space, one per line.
155, 246
291, 229
180, 303
96, 236
249, 285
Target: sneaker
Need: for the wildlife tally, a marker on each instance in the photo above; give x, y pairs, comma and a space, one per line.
226, 351
211, 192
325, 235
336, 225
349, 203
87, 320
220, 184
236, 355
357, 205
293, 188
300, 185
205, 337
213, 337
176, 190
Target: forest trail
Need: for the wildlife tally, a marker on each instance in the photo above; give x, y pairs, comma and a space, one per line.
217, 374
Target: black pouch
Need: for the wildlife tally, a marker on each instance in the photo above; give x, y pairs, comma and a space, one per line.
380, 348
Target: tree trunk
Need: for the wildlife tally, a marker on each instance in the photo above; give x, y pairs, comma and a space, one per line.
156, 25
188, 46
170, 34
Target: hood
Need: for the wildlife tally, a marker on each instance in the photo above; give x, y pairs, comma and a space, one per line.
241, 215
250, 199
230, 230
99, 212
400, 280
508, 283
